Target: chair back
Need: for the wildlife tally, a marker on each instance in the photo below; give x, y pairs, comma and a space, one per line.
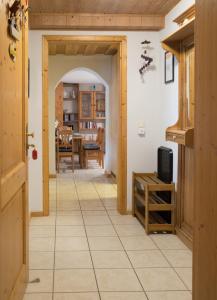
100, 136
65, 138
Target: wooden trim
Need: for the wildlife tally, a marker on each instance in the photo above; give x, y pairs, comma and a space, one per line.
122, 146
52, 176
113, 175
36, 214
187, 240
186, 15
45, 128
205, 196
96, 21
172, 42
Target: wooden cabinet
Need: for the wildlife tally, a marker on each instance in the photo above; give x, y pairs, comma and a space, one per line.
66, 95
86, 103
99, 105
92, 105
84, 111
91, 110
181, 44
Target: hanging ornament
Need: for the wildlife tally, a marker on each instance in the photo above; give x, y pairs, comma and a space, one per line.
16, 19
146, 59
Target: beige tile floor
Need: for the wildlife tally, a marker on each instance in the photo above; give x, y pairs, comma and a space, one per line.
85, 250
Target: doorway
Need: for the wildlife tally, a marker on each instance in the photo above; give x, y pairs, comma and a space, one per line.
108, 43
80, 101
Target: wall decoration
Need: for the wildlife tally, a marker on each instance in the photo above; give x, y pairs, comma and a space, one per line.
16, 19
147, 60
169, 67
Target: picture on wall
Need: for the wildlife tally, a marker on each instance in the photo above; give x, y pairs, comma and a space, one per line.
169, 67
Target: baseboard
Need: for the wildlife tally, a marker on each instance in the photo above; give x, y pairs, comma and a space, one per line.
113, 174
52, 176
37, 214
184, 238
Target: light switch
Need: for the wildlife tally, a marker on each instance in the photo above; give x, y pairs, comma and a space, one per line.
141, 131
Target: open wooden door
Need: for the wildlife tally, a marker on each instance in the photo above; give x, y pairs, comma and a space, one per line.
205, 199
13, 162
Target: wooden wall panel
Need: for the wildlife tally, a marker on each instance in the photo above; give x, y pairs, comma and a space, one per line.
205, 200
158, 7
93, 21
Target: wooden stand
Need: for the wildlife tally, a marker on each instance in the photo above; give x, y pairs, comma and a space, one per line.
181, 44
149, 207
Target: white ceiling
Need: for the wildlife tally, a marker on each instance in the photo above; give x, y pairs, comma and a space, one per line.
80, 76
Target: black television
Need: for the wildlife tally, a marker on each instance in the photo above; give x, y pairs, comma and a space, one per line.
165, 164
165, 170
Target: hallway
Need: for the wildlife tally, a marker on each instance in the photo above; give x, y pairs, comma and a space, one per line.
85, 250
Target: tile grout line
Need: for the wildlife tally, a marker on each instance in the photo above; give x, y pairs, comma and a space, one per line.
161, 251
87, 241
94, 183
121, 242
54, 258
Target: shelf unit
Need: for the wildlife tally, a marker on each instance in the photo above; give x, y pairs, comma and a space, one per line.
177, 43
181, 44
81, 107
154, 212
91, 110
70, 105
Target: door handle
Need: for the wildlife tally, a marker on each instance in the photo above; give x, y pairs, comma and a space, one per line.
32, 135
30, 146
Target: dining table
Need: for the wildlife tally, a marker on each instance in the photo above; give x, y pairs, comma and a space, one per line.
78, 139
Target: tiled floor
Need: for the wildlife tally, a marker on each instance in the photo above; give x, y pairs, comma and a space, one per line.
85, 250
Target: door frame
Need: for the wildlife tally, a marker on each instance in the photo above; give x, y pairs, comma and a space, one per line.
121, 41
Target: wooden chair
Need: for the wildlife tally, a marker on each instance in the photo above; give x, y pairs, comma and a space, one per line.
64, 146
94, 150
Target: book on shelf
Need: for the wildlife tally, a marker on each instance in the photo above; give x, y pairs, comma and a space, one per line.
91, 125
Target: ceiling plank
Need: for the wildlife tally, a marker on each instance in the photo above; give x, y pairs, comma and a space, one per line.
81, 48
157, 7
96, 21
111, 50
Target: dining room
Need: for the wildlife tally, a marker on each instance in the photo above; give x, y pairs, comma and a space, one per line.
80, 122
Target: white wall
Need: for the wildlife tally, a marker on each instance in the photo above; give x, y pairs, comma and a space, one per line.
59, 65
144, 104
170, 91
149, 102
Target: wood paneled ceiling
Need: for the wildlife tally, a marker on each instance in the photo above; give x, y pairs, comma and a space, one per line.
83, 48
99, 14
146, 7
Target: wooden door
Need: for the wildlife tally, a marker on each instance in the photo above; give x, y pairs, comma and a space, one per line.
205, 203
13, 163
185, 207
